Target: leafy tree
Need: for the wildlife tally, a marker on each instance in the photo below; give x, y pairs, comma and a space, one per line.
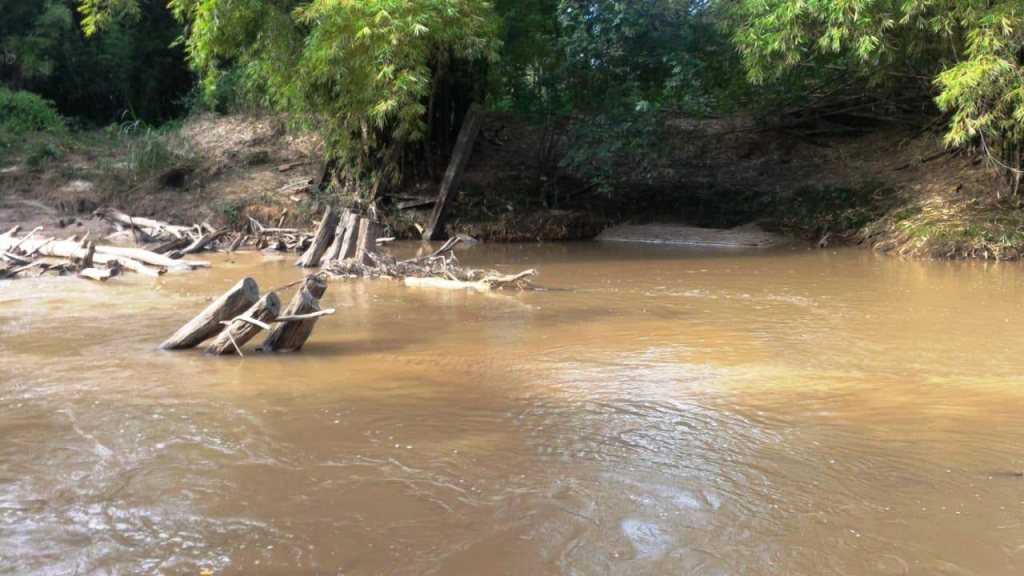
131, 67
361, 72
972, 51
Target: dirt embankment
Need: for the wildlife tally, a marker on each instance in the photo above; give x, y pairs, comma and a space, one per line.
885, 184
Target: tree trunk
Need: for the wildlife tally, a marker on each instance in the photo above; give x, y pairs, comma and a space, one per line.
449, 186
292, 335
208, 323
321, 241
239, 332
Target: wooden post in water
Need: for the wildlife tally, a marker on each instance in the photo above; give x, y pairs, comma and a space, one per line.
339, 237
453, 176
321, 241
236, 334
208, 323
351, 239
292, 335
369, 230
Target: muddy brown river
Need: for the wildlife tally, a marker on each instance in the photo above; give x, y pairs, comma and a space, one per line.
664, 411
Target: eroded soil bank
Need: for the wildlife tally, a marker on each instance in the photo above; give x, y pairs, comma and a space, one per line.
879, 184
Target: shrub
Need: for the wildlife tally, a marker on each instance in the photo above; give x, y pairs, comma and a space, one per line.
22, 112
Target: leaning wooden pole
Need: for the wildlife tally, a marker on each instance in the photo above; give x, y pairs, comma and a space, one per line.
290, 336
453, 176
208, 323
241, 330
321, 241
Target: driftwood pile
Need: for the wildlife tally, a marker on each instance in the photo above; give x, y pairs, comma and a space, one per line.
240, 314
22, 255
345, 246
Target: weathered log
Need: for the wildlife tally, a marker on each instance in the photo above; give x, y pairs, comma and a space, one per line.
70, 249
293, 335
453, 176
321, 241
239, 238
147, 257
203, 242
239, 332
208, 323
351, 240
339, 237
99, 275
369, 230
156, 227
129, 264
172, 247
484, 285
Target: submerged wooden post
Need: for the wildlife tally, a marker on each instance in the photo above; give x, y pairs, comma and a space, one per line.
453, 176
321, 241
292, 335
239, 331
208, 323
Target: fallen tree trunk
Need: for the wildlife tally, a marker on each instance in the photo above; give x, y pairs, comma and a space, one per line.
156, 227
147, 257
200, 244
70, 249
292, 335
485, 285
321, 240
239, 331
208, 323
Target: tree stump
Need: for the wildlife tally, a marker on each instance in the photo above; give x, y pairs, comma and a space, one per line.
369, 230
339, 237
208, 323
239, 332
292, 335
321, 241
351, 239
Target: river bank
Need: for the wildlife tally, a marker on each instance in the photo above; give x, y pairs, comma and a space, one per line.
879, 185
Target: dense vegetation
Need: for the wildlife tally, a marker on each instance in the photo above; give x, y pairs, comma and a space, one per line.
386, 82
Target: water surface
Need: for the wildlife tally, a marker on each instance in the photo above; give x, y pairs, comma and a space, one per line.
667, 411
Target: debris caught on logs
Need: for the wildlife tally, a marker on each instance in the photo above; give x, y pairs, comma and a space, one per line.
439, 269
20, 255
239, 314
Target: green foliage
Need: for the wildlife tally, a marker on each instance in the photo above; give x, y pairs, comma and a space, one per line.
358, 71
131, 65
610, 150
970, 49
22, 112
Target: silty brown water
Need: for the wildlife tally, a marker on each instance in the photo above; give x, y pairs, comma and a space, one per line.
676, 412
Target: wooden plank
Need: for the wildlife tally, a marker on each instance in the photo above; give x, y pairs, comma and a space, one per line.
453, 176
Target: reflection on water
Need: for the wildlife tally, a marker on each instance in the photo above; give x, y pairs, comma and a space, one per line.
673, 412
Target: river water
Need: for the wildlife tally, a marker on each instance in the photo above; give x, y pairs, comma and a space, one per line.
658, 411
